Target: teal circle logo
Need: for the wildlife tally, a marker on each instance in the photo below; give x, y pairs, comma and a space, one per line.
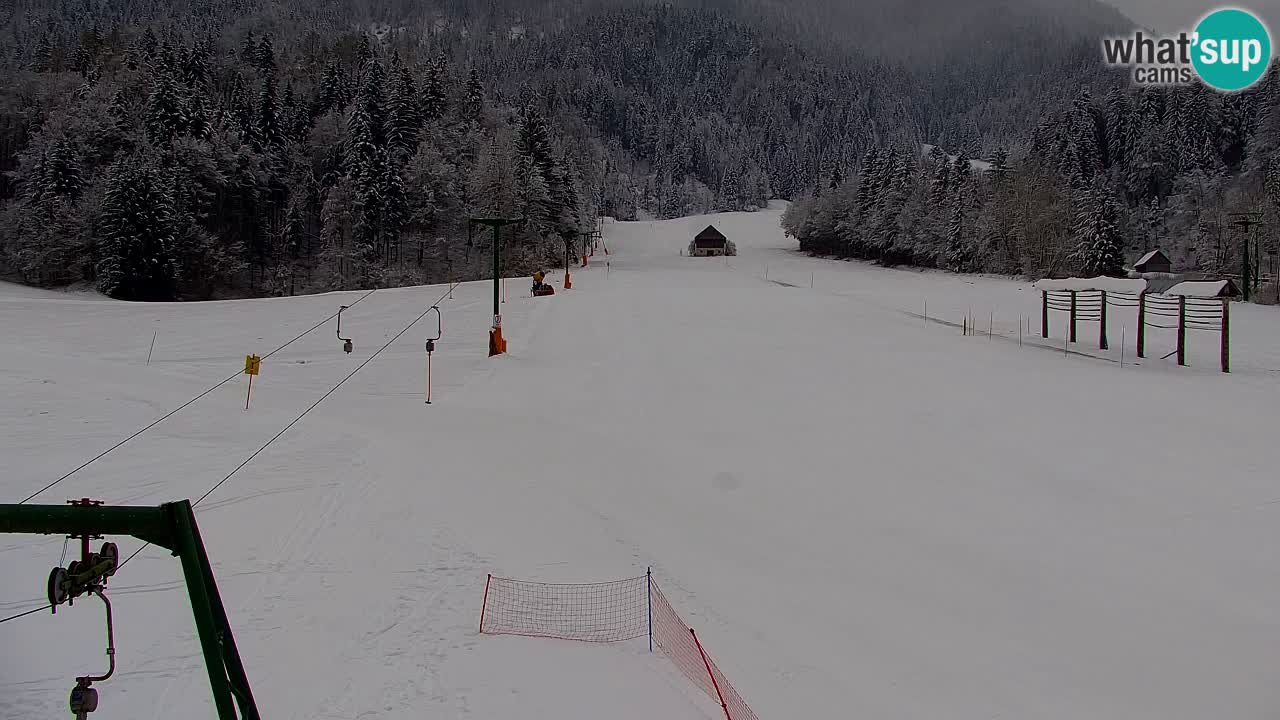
1231, 49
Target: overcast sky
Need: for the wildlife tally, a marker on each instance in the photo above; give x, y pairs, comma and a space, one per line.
1174, 15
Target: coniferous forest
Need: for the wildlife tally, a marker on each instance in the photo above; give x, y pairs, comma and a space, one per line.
220, 148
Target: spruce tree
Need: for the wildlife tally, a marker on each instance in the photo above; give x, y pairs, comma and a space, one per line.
941, 188
1099, 247
166, 114
150, 45
195, 67
474, 96
239, 108
959, 253
433, 96
331, 93
136, 235
264, 56
80, 60
395, 208
42, 59
268, 132
404, 118
61, 176
371, 95
249, 50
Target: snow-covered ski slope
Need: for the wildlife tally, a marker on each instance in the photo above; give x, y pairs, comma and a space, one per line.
862, 514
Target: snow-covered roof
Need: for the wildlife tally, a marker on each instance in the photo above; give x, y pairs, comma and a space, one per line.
1202, 289
1110, 284
1147, 258
979, 165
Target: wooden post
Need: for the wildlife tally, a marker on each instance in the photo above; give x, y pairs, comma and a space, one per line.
1044, 313
1226, 336
1102, 332
1142, 324
1182, 329
1072, 329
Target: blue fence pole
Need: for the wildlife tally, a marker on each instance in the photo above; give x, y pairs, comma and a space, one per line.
649, 580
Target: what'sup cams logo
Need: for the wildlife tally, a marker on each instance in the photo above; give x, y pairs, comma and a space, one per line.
1229, 50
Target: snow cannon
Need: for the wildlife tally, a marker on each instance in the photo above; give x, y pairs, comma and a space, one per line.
541, 288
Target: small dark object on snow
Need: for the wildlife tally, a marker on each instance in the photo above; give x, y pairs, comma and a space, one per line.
540, 288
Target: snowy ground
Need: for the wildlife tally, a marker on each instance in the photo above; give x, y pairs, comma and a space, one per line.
862, 513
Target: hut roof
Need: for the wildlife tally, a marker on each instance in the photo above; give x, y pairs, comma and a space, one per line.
1154, 254
710, 233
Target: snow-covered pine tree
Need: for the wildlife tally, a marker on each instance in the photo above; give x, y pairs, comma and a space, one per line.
80, 60
371, 93
1119, 128
264, 57
248, 49
42, 57
195, 65
395, 210
337, 221
404, 118
166, 113
1099, 249
135, 246
268, 133
433, 95
61, 176
959, 254
474, 96
330, 92
239, 108
962, 171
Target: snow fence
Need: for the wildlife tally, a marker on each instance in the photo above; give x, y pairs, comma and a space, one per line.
608, 612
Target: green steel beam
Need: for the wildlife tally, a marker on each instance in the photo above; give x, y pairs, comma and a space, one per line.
145, 523
171, 526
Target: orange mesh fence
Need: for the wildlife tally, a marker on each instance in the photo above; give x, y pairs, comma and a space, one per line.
678, 642
608, 612
590, 612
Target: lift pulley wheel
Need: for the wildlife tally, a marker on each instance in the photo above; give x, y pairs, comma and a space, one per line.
110, 554
58, 590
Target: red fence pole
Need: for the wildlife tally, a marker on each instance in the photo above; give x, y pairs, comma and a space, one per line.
714, 684
484, 604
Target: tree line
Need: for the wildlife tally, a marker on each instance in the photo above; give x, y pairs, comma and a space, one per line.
1098, 184
216, 148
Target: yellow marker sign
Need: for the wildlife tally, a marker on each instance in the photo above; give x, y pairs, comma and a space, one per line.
251, 364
